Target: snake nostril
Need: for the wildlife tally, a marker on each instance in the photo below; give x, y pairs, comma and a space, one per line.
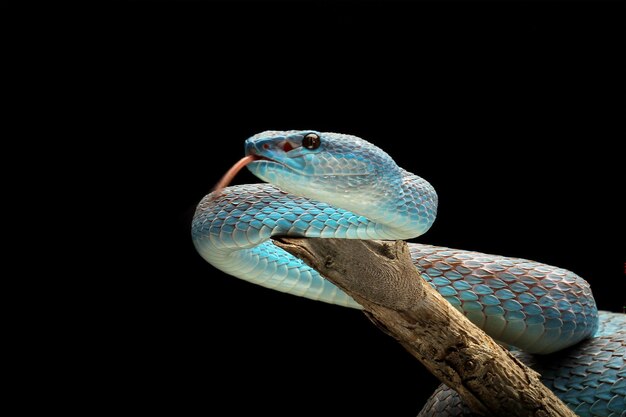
266, 146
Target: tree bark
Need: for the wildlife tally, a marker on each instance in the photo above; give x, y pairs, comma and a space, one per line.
381, 277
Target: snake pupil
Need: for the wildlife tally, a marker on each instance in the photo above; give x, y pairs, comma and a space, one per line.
311, 141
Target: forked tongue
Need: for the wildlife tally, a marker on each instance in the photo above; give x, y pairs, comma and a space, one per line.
230, 174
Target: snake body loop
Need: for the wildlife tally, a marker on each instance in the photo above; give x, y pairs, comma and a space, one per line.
340, 186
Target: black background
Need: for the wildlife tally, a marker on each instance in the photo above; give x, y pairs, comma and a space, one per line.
511, 110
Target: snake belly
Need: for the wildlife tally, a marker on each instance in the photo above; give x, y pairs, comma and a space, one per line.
339, 186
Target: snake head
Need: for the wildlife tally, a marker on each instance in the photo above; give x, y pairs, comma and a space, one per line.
331, 167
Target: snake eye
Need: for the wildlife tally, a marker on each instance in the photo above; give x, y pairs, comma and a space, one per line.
311, 141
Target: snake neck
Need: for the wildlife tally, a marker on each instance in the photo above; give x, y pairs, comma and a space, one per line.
404, 208
414, 212
397, 203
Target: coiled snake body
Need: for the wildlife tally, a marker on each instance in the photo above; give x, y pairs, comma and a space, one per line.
340, 186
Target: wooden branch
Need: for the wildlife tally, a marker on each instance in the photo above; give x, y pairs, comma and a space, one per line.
381, 277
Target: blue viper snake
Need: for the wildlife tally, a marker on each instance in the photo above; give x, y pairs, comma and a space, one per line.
334, 185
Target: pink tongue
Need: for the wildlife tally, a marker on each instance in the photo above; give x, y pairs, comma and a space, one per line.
228, 177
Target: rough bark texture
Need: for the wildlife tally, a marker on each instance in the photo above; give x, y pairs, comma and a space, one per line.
381, 277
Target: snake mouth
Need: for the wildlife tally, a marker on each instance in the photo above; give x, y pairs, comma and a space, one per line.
238, 166
261, 158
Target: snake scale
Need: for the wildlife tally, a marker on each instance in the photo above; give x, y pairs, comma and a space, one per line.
335, 185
